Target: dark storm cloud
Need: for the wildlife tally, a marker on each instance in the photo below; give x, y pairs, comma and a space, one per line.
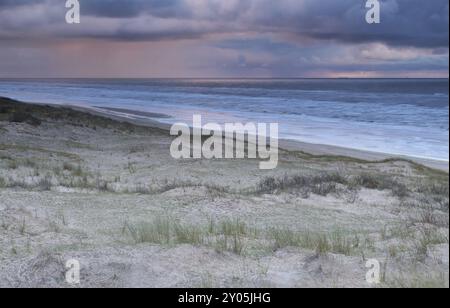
282, 38
134, 8
13, 3
404, 22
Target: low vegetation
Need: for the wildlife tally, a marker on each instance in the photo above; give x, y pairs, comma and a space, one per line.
235, 236
332, 183
227, 235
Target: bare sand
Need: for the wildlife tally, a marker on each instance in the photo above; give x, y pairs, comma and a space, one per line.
105, 191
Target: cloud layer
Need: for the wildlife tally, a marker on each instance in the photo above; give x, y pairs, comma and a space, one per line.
232, 38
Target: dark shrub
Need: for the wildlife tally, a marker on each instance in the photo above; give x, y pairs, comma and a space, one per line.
5, 109
22, 117
381, 182
321, 184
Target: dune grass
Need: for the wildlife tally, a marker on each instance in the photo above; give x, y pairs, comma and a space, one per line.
226, 235
324, 184
233, 235
419, 281
337, 241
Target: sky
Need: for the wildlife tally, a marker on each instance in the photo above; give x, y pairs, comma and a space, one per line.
224, 39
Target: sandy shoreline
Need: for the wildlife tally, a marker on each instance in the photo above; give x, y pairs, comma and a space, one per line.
285, 144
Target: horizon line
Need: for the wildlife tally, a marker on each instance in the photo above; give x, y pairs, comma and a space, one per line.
230, 78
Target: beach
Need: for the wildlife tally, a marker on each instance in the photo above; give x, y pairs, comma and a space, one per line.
88, 184
400, 117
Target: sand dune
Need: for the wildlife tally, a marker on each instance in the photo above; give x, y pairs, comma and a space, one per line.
78, 185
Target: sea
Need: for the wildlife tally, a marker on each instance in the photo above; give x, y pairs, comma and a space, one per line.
396, 116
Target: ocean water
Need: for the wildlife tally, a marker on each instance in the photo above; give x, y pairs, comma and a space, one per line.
397, 116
